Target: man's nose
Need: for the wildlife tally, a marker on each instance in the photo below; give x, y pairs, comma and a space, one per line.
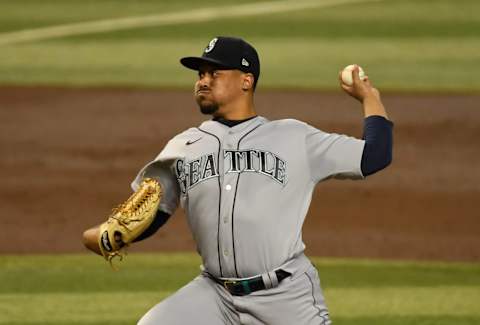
204, 80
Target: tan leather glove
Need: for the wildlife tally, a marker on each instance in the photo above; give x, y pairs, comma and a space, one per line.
130, 219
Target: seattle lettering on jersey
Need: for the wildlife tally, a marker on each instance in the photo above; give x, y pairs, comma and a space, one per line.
266, 163
193, 172
257, 161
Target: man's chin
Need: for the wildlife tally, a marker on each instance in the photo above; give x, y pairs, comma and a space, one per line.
208, 109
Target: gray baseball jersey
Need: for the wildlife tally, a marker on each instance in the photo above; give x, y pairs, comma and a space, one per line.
246, 189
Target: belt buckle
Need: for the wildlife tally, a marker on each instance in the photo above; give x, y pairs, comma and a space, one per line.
227, 282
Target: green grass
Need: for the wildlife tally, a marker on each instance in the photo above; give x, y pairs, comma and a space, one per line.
82, 289
408, 45
148, 64
16, 15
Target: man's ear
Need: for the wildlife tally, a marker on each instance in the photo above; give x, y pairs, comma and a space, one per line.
247, 82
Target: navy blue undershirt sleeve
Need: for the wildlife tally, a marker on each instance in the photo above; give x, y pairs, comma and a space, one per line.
160, 219
378, 136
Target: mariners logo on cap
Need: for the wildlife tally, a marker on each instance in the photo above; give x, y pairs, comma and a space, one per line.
211, 45
245, 63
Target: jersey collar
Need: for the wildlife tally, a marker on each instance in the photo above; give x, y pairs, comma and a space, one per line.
220, 130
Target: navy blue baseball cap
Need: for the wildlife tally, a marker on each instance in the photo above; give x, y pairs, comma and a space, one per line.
227, 53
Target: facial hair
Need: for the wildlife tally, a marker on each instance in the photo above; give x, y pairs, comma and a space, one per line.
207, 107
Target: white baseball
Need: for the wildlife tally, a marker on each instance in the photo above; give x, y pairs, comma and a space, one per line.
347, 77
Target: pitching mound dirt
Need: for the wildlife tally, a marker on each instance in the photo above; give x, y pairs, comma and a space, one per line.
69, 155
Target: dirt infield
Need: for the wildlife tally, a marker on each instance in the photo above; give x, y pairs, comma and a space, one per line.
68, 156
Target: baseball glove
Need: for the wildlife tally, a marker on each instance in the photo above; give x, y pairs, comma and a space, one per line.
129, 219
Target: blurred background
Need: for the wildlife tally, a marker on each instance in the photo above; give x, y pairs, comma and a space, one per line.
92, 90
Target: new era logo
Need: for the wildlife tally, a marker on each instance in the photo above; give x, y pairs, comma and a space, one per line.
245, 63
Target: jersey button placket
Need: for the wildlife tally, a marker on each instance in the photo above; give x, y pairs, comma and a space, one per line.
228, 193
226, 219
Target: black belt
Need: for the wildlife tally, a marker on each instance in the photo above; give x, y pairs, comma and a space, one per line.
245, 287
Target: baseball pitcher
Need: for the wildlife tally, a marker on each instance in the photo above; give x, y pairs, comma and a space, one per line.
245, 183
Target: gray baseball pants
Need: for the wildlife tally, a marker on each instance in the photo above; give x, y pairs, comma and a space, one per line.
297, 300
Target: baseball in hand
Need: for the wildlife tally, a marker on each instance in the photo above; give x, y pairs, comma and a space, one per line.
347, 77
